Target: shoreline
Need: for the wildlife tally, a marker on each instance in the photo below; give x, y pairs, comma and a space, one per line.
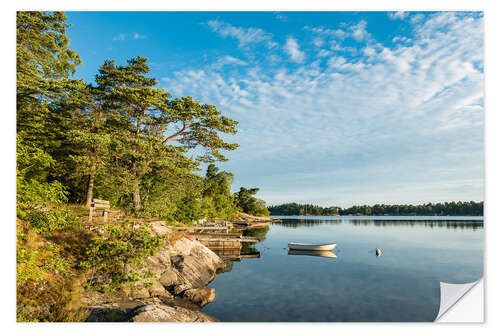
177, 293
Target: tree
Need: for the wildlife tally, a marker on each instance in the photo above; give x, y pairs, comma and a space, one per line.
43, 69
147, 120
217, 198
246, 201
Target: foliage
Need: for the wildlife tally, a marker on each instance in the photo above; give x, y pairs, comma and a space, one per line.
115, 257
246, 201
469, 208
44, 279
217, 199
46, 221
188, 210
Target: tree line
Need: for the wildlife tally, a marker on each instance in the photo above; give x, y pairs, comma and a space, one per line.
465, 208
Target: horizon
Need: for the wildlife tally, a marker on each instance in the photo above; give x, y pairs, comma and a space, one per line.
371, 205
333, 107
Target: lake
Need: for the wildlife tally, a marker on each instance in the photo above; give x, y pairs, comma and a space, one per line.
400, 285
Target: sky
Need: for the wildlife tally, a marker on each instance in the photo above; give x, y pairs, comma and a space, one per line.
334, 108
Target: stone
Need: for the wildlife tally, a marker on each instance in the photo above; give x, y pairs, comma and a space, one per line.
179, 289
166, 313
139, 293
98, 314
157, 289
169, 278
183, 246
159, 228
200, 296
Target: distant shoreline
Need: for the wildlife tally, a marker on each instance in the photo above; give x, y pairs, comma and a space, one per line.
378, 217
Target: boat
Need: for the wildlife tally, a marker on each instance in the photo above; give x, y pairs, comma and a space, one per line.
312, 247
324, 254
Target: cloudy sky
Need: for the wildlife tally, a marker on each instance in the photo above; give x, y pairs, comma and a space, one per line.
334, 108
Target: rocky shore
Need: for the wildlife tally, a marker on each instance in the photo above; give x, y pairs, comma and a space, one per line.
176, 293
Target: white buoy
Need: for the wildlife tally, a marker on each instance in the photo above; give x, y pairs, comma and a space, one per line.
378, 252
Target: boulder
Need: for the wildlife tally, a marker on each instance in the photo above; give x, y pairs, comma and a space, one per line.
166, 313
169, 278
200, 296
139, 293
157, 289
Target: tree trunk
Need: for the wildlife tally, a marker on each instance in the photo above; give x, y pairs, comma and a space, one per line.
137, 199
90, 190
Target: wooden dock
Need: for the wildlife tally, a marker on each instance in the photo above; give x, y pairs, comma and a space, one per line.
203, 229
225, 243
235, 254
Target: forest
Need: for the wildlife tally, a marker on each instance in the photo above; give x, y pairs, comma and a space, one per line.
468, 208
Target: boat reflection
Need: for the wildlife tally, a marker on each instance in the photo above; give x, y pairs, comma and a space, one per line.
325, 254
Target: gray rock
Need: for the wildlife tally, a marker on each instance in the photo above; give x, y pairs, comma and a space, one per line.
166, 313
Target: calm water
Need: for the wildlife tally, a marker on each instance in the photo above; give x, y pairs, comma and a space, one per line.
400, 285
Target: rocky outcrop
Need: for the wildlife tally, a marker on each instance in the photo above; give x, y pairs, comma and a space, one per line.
181, 270
146, 313
165, 313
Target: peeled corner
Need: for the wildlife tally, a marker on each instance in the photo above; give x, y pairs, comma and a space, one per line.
452, 298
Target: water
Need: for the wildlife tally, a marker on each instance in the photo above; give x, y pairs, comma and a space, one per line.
400, 285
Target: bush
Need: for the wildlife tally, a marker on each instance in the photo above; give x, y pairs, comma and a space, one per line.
45, 221
116, 257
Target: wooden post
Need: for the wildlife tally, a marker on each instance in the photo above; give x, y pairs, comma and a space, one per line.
105, 216
91, 212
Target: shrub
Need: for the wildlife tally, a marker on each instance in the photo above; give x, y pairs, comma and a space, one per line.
115, 258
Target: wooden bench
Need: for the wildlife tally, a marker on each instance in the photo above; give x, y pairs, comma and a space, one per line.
99, 205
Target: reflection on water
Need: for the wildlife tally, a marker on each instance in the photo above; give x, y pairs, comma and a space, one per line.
301, 222
400, 285
324, 254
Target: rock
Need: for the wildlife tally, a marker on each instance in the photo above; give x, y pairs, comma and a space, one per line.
200, 296
166, 313
169, 278
183, 246
139, 293
196, 271
181, 272
98, 314
157, 289
179, 289
159, 228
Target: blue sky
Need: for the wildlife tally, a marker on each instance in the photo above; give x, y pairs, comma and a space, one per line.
334, 108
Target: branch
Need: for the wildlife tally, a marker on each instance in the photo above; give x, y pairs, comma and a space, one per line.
171, 138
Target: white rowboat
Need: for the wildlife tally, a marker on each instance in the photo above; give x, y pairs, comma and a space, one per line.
312, 247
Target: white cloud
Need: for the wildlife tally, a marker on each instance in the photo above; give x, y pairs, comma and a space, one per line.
324, 53
124, 36
398, 15
335, 33
292, 49
228, 60
318, 42
359, 32
404, 121
245, 36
